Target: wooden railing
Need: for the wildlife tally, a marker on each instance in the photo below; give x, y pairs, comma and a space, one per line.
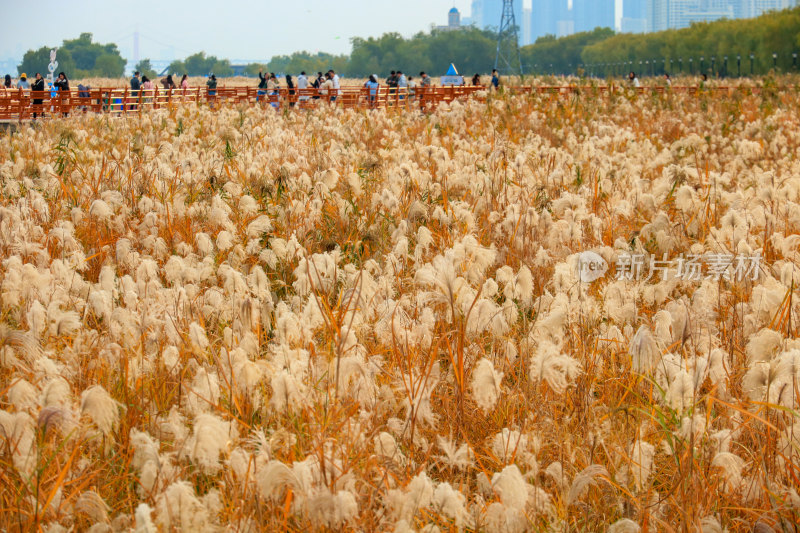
20, 104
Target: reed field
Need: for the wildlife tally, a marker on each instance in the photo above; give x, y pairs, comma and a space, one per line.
237, 319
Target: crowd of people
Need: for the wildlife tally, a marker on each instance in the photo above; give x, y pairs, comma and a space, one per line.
327, 84
60, 85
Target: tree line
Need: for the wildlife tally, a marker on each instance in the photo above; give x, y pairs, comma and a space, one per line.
773, 39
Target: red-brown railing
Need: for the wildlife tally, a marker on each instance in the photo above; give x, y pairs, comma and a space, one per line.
20, 104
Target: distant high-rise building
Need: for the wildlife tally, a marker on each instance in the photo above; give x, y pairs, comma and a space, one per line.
591, 14
476, 13
453, 18
526, 26
550, 17
634, 16
453, 21
754, 8
676, 14
486, 14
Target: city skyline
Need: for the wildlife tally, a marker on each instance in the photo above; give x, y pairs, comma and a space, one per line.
534, 18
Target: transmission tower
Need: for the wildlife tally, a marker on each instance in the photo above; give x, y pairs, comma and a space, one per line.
508, 60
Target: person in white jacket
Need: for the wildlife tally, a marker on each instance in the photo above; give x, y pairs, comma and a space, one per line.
335, 82
302, 83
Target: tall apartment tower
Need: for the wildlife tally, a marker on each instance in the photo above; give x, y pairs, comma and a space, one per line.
486, 14
591, 14
634, 16
550, 17
677, 14
754, 8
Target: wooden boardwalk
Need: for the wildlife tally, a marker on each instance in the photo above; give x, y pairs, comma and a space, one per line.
20, 105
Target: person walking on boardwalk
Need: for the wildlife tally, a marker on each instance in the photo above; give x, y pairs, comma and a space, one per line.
273, 87
185, 82
391, 82
402, 83
336, 84
495, 79
23, 82
62, 86
38, 85
632, 79
136, 84
476, 79
326, 87
372, 86
262, 85
318, 83
290, 87
7, 82
425, 80
302, 83
211, 85
412, 88
168, 82
147, 89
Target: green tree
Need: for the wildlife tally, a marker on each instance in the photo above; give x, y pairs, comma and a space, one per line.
146, 69
560, 56
37, 60
109, 65
77, 58
252, 69
177, 67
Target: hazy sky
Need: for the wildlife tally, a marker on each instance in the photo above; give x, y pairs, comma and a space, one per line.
233, 29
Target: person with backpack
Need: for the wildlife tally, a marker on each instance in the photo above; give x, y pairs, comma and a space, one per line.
211, 85
168, 82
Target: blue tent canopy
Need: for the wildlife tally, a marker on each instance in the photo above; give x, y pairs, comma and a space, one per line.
452, 71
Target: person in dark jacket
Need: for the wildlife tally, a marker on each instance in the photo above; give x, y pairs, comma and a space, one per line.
317, 84
290, 85
7, 82
62, 86
62, 83
38, 85
391, 82
136, 84
262, 85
